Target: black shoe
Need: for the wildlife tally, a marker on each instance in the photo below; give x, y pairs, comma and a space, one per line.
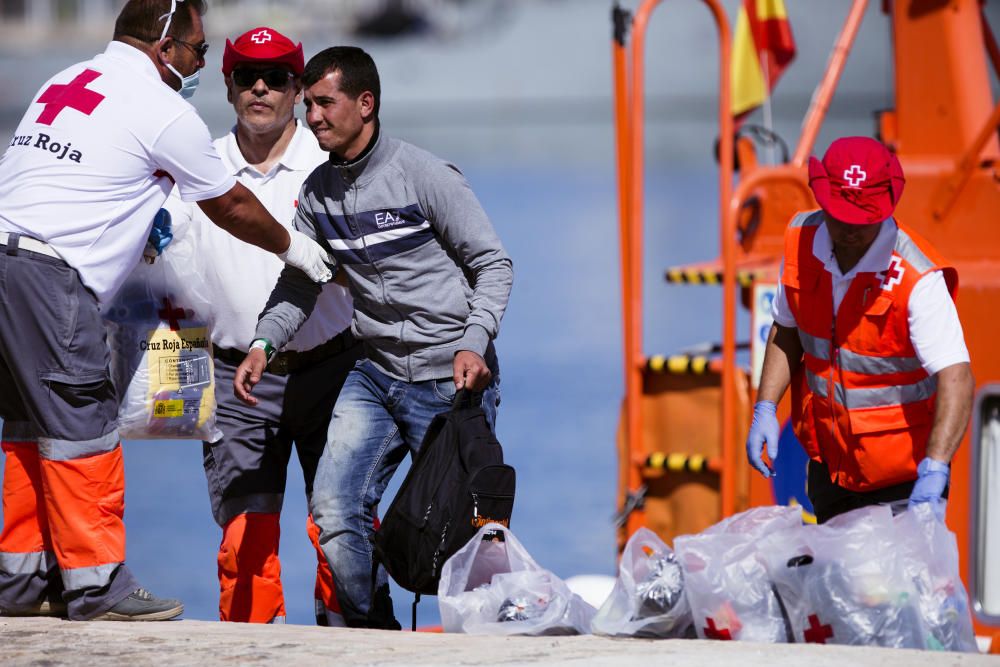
141, 605
44, 608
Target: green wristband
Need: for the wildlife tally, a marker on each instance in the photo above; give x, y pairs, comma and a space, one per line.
264, 344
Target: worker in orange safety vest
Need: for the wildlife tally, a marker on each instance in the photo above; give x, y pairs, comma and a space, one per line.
867, 334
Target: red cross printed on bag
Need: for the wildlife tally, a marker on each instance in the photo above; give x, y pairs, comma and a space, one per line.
261, 37
712, 632
855, 176
816, 633
74, 95
893, 275
171, 314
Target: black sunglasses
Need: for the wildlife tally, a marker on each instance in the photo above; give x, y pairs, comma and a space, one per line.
273, 78
199, 49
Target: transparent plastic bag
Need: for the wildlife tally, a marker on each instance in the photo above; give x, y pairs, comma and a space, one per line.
161, 354
928, 552
842, 582
648, 599
492, 586
727, 586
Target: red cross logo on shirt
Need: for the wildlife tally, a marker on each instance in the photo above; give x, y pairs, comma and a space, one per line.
261, 37
855, 176
74, 95
893, 275
171, 314
712, 632
816, 633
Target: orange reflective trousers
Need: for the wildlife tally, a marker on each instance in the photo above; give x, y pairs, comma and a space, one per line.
62, 527
250, 570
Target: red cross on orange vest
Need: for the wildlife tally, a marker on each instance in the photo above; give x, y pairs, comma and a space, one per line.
893, 275
712, 632
74, 94
171, 314
816, 633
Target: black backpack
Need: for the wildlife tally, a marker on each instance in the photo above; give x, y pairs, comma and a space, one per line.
457, 484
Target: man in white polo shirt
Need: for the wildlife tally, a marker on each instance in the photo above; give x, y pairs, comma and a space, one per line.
93, 159
271, 153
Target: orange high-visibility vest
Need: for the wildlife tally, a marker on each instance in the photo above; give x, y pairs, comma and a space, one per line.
861, 401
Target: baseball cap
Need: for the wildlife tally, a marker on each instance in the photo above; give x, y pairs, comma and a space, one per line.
263, 45
858, 181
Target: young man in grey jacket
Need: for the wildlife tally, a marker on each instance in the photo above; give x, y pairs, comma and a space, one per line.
430, 282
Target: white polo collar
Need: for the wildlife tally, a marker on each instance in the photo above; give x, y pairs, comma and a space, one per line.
299, 155
875, 259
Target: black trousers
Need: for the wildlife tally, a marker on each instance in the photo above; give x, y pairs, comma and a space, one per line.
829, 499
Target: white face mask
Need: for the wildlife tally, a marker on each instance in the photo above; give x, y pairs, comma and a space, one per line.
189, 84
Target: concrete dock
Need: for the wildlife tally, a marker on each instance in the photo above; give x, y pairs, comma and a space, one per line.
47, 641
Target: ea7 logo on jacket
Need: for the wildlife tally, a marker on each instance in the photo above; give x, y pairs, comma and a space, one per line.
385, 219
374, 235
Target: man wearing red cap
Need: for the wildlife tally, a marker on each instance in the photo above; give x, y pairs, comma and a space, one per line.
867, 334
271, 153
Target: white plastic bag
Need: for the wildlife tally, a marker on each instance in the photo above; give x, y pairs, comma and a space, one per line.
492, 586
842, 582
730, 594
928, 552
161, 355
648, 599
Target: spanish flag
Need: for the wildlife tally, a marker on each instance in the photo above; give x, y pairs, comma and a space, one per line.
762, 49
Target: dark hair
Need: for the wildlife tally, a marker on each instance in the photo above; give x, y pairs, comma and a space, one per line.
144, 20
357, 71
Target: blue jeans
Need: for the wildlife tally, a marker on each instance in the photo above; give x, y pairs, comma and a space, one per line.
378, 420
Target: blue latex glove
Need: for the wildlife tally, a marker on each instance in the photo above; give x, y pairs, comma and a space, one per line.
932, 477
763, 429
160, 235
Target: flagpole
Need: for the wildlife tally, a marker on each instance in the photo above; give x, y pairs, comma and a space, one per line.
768, 124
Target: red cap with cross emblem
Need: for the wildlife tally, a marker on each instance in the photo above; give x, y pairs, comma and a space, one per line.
263, 45
858, 182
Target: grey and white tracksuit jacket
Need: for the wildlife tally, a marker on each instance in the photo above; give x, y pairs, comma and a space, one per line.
427, 272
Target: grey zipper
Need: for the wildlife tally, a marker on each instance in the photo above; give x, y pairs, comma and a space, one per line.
381, 282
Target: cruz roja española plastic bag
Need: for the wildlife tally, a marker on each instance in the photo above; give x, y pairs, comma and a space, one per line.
648, 599
492, 586
161, 355
727, 586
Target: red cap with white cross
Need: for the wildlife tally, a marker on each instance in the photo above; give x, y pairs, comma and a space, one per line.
858, 182
263, 45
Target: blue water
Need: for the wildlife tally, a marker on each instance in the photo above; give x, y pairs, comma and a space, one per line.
560, 355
